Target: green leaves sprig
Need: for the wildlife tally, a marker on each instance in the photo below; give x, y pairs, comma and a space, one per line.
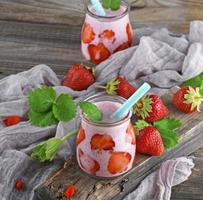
168, 127
194, 82
46, 151
91, 111
47, 109
111, 4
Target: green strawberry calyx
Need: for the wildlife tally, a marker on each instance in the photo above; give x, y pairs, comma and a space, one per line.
110, 87
143, 107
140, 125
194, 97
91, 69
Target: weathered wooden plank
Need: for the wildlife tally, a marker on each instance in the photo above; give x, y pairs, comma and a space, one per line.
175, 15
192, 188
91, 188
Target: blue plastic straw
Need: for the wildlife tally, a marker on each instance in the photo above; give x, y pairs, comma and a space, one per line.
121, 112
98, 7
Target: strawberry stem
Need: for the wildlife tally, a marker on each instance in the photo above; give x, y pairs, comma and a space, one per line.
69, 135
100, 87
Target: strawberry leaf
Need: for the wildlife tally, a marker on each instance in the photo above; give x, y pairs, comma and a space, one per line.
91, 111
41, 99
65, 108
106, 4
167, 128
42, 119
115, 4
195, 82
201, 89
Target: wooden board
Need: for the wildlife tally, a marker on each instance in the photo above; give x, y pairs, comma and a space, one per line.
89, 188
35, 32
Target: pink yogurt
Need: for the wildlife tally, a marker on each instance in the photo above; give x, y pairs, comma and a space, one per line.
106, 149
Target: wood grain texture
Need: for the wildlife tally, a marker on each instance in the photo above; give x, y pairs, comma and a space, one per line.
90, 188
192, 188
174, 14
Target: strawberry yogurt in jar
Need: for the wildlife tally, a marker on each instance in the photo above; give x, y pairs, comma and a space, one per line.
106, 149
104, 35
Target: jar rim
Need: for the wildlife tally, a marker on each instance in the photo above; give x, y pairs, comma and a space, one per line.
125, 12
107, 124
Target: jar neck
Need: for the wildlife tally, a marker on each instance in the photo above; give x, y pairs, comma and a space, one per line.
110, 15
107, 98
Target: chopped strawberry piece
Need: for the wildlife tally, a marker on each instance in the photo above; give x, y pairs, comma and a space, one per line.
102, 142
123, 46
80, 136
69, 191
118, 162
98, 53
19, 184
12, 120
130, 34
88, 163
107, 34
130, 133
88, 34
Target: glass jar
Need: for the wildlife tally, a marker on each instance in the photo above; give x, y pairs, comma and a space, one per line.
102, 36
106, 149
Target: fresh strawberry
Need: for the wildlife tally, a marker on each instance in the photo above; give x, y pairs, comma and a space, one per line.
108, 34
12, 120
149, 140
19, 184
69, 191
119, 86
98, 53
88, 163
129, 33
187, 99
118, 162
102, 142
80, 136
151, 108
130, 134
123, 46
88, 34
79, 77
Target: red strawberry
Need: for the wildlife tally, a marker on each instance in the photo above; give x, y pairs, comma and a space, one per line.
88, 163
149, 140
119, 86
98, 53
102, 142
118, 162
123, 46
88, 34
108, 34
79, 77
187, 99
129, 33
130, 134
12, 120
19, 185
151, 108
69, 191
80, 136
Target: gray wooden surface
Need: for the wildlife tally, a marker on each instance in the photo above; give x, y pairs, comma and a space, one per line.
38, 31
